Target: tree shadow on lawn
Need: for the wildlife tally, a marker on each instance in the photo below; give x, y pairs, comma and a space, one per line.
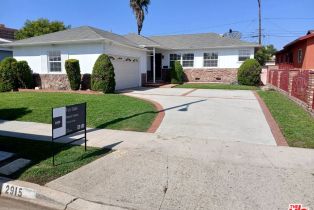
68, 158
14, 113
184, 107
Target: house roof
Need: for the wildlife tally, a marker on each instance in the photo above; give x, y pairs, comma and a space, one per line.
7, 33
141, 40
174, 42
199, 41
80, 34
302, 38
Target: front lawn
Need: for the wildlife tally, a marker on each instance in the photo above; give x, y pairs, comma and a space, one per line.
295, 123
103, 111
41, 171
217, 86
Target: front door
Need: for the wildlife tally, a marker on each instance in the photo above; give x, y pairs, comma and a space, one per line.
158, 63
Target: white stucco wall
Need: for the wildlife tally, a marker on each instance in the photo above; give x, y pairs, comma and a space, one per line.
37, 56
227, 57
87, 54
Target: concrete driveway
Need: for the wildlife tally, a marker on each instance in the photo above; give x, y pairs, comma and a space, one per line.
223, 115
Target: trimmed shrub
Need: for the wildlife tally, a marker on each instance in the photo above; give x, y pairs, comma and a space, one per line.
177, 73
72, 68
8, 69
103, 76
249, 73
24, 75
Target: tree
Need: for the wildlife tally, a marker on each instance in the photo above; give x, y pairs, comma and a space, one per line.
139, 8
265, 54
8, 69
39, 27
249, 73
177, 73
72, 67
103, 76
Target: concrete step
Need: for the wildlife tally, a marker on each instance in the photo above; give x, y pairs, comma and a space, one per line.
14, 166
5, 155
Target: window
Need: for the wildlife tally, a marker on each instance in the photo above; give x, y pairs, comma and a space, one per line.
244, 54
188, 60
300, 55
211, 59
54, 61
173, 58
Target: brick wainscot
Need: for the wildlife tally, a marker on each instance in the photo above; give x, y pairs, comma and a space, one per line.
211, 75
58, 81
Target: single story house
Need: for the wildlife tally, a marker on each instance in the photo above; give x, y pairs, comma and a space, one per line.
137, 59
298, 54
6, 36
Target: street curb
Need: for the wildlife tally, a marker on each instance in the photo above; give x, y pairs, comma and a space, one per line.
49, 198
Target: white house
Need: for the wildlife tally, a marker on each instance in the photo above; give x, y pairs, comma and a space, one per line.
137, 59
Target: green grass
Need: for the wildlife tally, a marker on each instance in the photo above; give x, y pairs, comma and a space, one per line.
103, 111
295, 123
217, 86
40, 170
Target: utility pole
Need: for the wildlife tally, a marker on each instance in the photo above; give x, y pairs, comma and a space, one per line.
259, 23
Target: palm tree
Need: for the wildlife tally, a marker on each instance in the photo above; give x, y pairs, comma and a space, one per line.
139, 8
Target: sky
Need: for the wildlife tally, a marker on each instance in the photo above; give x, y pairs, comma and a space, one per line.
283, 20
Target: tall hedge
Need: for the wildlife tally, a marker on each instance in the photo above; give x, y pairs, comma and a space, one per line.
249, 73
103, 76
177, 73
24, 75
72, 67
8, 69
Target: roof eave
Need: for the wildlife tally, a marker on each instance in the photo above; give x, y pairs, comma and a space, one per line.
216, 47
12, 44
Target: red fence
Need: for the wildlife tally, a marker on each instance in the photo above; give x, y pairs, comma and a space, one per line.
284, 80
296, 83
300, 86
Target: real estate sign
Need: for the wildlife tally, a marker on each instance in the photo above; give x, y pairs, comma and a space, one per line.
68, 120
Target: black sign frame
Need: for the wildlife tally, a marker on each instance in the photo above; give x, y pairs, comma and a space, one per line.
68, 133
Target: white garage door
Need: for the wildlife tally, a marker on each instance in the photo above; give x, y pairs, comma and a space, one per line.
126, 72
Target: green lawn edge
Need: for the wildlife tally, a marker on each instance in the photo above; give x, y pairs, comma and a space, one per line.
296, 124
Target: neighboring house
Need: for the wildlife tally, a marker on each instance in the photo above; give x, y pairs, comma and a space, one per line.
137, 59
298, 54
6, 36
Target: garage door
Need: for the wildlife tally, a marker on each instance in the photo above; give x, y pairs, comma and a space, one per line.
126, 72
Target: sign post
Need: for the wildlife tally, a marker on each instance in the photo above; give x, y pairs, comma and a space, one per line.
66, 121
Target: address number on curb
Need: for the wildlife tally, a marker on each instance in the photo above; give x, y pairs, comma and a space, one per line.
17, 191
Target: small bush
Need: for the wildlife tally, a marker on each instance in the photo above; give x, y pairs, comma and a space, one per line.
177, 73
8, 69
103, 76
72, 68
249, 73
24, 75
